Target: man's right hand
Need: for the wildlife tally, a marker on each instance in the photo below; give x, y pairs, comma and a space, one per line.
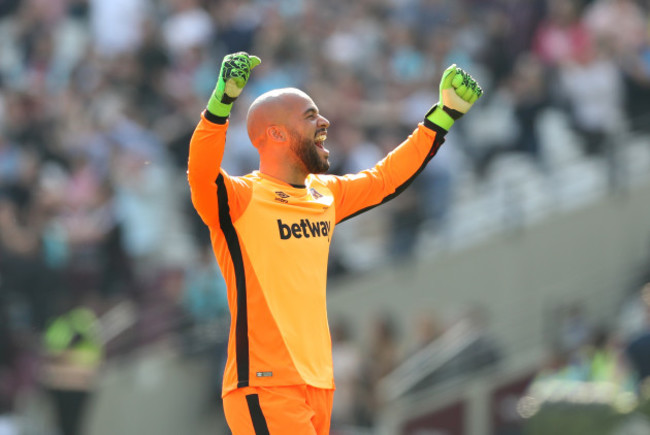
233, 76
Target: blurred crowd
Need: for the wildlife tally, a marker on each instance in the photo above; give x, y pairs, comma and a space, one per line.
98, 100
598, 371
592, 350
388, 362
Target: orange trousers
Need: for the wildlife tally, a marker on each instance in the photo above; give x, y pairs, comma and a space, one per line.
294, 410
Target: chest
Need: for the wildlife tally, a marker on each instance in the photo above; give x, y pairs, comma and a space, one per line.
289, 222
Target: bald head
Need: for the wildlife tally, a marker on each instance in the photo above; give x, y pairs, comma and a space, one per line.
278, 107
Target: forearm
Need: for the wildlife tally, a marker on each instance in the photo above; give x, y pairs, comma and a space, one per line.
360, 192
410, 157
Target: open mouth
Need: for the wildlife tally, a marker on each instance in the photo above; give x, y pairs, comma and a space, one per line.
320, 139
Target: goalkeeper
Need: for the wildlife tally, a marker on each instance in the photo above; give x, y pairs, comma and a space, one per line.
271, 232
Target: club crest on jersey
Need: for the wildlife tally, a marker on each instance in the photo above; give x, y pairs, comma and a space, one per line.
305, 228
314, 193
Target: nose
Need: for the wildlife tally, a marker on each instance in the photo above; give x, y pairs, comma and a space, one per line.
323, 122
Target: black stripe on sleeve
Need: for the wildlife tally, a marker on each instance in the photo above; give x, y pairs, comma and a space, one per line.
437, 142
241, 325
215, 119
259, 421
439, 130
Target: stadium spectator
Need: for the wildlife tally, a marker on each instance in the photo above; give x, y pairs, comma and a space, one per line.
603, 18
17, 363
382, 354
635, 66
594, 92
24, 275
347, 361
530, 96
638, 349
561, 35
426, 329
604, 359
117, 26
187, 26
73, 352
575, 329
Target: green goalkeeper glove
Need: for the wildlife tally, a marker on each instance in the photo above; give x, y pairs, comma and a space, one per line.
235, 71
458, 92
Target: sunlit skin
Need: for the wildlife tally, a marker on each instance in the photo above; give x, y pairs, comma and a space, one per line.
288, 131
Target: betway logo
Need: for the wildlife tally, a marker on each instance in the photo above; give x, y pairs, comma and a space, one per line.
305, 228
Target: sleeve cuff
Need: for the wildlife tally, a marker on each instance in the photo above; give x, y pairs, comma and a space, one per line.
440, 132
215, 119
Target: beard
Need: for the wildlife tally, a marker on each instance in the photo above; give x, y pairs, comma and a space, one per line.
306, 152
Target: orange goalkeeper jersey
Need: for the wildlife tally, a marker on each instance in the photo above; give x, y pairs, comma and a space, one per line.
272, 240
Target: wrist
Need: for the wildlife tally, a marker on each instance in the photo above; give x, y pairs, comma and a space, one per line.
438, 116
214, 119
217, 108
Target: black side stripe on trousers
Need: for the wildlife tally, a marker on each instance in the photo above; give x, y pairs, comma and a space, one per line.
259, 422
232, 240
435, 146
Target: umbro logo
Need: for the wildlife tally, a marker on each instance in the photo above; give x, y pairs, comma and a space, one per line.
281, 196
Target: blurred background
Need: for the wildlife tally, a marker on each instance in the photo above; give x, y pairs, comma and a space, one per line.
504, 293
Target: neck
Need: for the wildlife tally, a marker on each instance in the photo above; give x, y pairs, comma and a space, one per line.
287, 173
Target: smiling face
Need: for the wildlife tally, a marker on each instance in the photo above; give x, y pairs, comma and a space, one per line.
308, 132
287, 128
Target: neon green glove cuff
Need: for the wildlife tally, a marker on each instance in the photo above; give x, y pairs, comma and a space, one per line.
440, 117
233, 76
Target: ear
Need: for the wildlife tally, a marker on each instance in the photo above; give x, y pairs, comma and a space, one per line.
277, 133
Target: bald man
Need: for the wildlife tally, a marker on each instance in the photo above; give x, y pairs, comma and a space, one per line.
271, 231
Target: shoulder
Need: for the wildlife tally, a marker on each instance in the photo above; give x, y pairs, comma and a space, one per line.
323, 180
322, 184
320, 179
250, 178
238, 183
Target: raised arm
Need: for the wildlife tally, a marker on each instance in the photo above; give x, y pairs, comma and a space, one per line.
360, 192
208, 182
